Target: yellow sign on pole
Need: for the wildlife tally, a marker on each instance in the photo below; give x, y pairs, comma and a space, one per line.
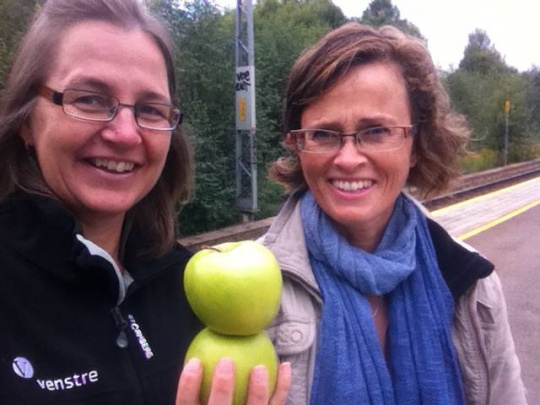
242, 109
507, 106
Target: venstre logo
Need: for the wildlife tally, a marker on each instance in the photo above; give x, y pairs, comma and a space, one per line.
24, 369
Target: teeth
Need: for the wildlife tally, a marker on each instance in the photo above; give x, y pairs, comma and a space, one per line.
114, 166
352, 185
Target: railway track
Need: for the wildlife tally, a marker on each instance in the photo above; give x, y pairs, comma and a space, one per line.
464, 187
479, 183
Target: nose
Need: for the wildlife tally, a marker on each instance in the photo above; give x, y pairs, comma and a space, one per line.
123, 129
349, 155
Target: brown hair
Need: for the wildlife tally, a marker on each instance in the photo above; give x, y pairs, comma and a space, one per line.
155, 214
442, 134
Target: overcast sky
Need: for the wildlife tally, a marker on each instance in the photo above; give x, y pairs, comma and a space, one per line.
512, 25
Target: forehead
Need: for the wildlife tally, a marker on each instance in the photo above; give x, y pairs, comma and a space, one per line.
373, 93
116, 56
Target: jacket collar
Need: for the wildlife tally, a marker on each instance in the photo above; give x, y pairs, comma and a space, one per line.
43, 233
459, 264
285, 238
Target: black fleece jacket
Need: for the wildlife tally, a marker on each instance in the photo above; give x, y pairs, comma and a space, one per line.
69, 333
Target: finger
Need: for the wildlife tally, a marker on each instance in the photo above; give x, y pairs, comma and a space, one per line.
189, 385
283, 384
222, 383
258, 386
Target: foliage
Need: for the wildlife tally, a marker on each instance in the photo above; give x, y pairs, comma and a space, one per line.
14, 18
533, 96
482, 98
205, 75
481, 56
383, 12
204, 51
480, 88
477, 161
535, 150
282, 31
205, 69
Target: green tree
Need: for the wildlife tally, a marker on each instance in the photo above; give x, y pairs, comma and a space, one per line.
283, 29
481, 56
205, 74
480, 88
533, 96
203, 38
383, 12
481, 98
14, 18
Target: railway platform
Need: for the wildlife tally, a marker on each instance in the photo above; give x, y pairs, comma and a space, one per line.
468, 218
505, 227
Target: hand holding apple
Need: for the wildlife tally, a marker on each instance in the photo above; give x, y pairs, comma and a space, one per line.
245, 351
234, 288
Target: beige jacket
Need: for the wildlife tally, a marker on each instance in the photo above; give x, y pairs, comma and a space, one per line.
481, 333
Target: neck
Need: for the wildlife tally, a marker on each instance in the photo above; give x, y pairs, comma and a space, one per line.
105, 233
367, 239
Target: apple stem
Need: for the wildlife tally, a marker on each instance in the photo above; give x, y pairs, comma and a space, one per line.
211, 248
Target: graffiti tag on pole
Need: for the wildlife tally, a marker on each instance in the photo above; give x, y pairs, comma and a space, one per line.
245, 98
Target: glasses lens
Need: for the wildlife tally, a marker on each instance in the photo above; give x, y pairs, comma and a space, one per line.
320, 140
157, 116
89, 105
381, 138
374, 139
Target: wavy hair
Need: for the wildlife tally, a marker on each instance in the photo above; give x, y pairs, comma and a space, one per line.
156, 213
442, 134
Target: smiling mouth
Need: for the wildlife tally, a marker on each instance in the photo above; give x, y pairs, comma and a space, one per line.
352, 185
112, 165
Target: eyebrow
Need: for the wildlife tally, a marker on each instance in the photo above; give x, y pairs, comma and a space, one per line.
365, 122
99, 86
89, 84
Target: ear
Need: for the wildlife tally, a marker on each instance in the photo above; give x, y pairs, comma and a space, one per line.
290, 143
414, 156
26, 134
412, 162
289, 139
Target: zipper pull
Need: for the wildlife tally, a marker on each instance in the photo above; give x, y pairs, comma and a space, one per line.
121, 324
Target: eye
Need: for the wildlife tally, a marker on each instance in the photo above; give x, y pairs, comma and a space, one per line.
90, 101
322, 136
153, 111
377, 131
375, 134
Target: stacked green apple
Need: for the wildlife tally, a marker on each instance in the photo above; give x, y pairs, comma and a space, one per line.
234, 288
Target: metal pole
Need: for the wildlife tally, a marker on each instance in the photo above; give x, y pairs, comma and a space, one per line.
506, 131
246, 128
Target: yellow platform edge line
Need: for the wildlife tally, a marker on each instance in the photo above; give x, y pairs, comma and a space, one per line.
498, 221
441, 211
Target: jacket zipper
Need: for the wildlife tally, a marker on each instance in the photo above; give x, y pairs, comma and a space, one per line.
121, 324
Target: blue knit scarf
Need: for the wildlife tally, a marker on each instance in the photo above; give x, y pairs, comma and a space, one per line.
350, 367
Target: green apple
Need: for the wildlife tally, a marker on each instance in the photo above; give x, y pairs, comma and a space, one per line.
235, 287
246, 352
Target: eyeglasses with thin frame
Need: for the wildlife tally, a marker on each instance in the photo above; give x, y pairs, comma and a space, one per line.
373, 139
91, 106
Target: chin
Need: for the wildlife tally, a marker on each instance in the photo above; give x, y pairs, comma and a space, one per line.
109, 206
